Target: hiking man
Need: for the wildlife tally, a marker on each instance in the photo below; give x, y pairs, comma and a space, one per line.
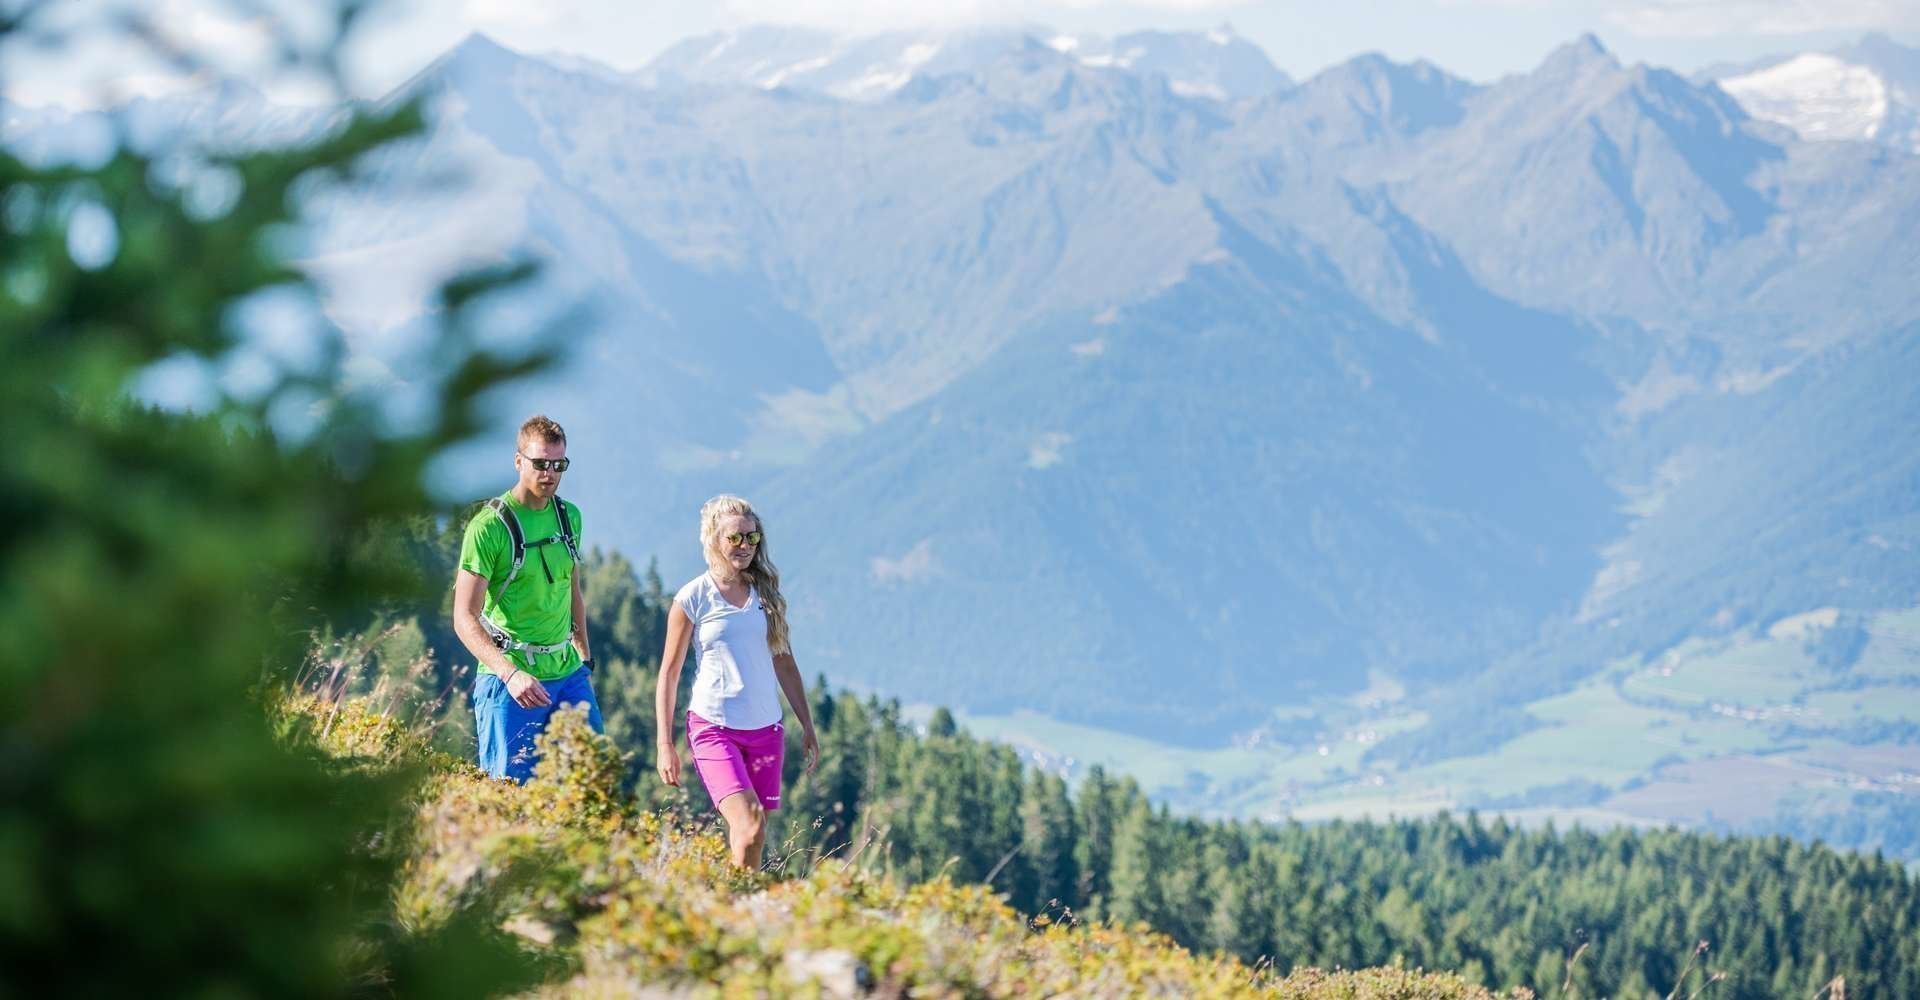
518, 607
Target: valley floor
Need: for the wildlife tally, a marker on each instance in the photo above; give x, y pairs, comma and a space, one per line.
1747, 733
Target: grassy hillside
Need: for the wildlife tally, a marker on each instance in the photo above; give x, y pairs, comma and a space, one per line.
617, 900
918, 805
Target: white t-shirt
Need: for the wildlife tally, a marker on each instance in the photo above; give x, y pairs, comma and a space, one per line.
734, 686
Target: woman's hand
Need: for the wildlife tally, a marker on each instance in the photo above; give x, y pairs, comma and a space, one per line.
668, 764
810, 746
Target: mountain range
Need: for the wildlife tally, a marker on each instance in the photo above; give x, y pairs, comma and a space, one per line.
1132, 383
1043, 320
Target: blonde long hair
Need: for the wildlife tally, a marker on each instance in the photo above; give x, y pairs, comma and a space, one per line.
760, 573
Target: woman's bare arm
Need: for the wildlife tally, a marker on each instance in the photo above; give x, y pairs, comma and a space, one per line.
672, 655
788, 671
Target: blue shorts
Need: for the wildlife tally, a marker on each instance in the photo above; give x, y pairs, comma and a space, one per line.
507, 731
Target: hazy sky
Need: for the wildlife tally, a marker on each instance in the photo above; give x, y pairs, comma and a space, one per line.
1481, 39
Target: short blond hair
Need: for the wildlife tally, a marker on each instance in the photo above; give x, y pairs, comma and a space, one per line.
543, 427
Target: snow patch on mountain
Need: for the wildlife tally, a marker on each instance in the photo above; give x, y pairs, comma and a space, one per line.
1110, 59
1656, 390
914, 565
1617, 575
885, 78
803, 66
794, 422
1045, 451
1189, 88
1819, 96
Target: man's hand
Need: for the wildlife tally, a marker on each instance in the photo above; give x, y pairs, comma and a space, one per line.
527, 692
810, 746
668, 763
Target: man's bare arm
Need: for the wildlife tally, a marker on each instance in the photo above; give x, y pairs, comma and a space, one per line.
469, 600
579, 634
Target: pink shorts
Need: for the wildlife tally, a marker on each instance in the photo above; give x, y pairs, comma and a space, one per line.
734, 760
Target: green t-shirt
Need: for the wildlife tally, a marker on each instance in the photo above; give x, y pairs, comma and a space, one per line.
532, 609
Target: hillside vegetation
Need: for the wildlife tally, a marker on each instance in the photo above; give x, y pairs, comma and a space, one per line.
611, 897
1498, 904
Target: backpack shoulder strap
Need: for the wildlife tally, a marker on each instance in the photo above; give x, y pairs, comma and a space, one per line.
566, 530
499, 506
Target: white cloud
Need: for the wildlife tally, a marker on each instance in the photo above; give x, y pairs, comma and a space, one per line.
1188, 6
400, 36
869, 14
498, 14
1720, 18
1715, 18
865, 15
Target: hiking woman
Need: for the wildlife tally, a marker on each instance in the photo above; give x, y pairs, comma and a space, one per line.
735, 615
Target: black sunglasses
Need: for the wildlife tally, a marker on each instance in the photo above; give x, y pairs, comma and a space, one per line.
546, 464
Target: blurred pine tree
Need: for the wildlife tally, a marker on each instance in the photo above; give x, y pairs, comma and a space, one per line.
160, 569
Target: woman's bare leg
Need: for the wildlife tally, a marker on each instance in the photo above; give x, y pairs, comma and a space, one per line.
746, 827
759, 849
